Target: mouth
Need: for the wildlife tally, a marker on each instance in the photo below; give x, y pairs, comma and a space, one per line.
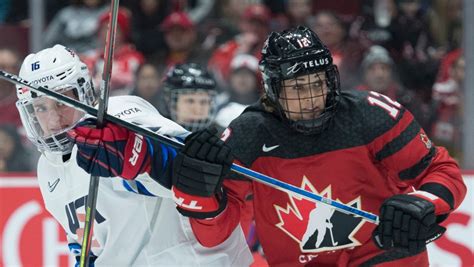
56, 130
312, 110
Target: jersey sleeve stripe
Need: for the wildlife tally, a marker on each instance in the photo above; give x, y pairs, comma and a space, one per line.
415, 170
162, 164
127, 185
142, 190
441, 191
405, 120
399, 142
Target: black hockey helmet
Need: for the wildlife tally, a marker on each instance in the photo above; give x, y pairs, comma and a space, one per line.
291, 54
193, 81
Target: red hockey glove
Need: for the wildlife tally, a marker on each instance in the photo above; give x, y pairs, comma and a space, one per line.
198, 172
408, 221
110, 151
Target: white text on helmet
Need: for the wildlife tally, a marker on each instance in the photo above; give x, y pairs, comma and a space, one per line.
43, 79
307, 64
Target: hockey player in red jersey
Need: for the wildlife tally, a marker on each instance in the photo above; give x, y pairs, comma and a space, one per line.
360, 148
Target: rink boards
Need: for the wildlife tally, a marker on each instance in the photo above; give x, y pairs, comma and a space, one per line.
29, 236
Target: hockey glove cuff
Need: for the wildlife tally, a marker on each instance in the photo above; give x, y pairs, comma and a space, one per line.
111, 151
198, 172
199, 207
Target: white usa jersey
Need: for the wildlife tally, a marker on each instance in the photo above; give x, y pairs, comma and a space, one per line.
136, 222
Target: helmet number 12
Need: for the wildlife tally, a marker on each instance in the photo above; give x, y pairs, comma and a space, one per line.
383, 101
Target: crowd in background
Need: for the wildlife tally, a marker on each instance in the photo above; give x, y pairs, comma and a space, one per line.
409, 50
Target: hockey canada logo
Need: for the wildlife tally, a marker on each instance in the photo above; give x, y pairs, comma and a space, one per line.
318, 227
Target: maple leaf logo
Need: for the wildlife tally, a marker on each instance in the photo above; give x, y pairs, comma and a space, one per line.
318, 227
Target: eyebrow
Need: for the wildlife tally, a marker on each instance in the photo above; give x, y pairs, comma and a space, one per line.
38, 103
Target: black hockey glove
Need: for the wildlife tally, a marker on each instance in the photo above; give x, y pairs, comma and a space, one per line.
198, 172
407, 222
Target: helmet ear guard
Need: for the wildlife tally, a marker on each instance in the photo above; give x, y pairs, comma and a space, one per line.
291, 54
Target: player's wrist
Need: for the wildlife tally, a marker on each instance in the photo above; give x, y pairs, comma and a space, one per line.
441, 206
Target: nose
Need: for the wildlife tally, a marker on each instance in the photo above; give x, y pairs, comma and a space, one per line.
54, 119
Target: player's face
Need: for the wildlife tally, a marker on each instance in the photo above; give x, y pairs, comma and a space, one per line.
243, 81
54, 116
148, 81
192, 107
304, 97
180, 39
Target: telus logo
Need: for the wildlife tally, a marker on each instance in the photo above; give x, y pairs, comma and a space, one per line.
307, 64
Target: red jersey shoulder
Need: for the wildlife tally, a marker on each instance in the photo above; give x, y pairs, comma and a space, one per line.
246, 135
371, 112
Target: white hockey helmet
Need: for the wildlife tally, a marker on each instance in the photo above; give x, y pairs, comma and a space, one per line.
46, 121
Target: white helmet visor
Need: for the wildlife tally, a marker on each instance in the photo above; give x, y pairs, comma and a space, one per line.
46, 120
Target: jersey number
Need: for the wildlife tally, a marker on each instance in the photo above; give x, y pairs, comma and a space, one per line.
391, 106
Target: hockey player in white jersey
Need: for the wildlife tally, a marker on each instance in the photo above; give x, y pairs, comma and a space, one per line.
136, 221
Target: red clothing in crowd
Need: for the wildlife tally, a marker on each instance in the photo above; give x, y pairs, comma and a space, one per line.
9, 114
125, 63
220, 60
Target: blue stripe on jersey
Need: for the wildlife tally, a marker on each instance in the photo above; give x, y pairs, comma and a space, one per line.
75, 248
150, 146
128, 187
142, 190
164, 157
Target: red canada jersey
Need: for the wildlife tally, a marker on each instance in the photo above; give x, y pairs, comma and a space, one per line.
372, 150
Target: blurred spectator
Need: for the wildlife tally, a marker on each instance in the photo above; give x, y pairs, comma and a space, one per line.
420, 82
347, 10
446, 63
296, 13
243, 89
412, 40
197, 10
54, 6
181, 40
276, 6
9, 62
379, 76
14, 11
223, 23
346, 53
4, 9
148, 86
373, 27
75, 26
13, 156
445, 20
147, 15
244, 80
254, 26
126, 59
448, 97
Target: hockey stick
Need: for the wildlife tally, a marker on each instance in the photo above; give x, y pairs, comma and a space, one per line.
256, 176
91, 202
